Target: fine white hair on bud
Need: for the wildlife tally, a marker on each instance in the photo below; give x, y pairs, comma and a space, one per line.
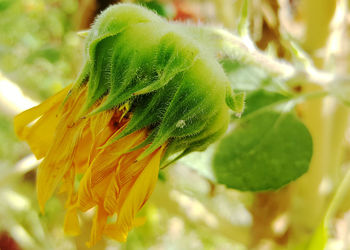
171, 81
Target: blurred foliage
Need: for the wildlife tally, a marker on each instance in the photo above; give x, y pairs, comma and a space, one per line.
41, 52
11, 150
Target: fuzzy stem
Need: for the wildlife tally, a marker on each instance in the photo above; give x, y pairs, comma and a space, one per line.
238, 49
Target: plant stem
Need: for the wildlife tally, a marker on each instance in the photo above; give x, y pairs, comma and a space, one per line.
339, 196
292, 100
238, 49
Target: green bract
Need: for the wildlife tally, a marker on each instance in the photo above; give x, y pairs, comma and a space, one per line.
171, 81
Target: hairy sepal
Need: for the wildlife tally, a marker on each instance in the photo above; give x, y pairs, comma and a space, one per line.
173, 84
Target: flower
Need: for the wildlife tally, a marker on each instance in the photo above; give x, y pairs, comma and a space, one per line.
148, 95
113, 180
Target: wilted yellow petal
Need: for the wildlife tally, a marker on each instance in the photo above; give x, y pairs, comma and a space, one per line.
115, 232
85, 199
113, 180
123, 179
71, 223
137, 195
98, 226
108, 157
26, 117
83, 150
130, 168
40, 136
100, 129
60, 156
90, 194
111, 197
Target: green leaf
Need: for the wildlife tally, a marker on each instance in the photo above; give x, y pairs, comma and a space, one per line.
266, 151
249, 78
260, 98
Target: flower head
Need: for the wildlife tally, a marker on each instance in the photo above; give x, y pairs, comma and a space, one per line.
149, 93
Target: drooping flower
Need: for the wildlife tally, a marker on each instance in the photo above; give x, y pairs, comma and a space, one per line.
149, 93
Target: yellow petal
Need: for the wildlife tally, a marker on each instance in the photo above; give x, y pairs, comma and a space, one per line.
103, 184
130, 167
40, 136
90, 195
71, 223
115, 232
98, 226
23, 119
55, 165
111, 197
68, 186
100, 131
136, 197
83, 148
85, 199
108, 157
124, 178
60, 156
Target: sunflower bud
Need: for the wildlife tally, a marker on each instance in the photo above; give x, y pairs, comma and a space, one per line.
149, 93
169, 80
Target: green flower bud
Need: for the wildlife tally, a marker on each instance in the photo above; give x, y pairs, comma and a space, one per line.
170, 80
150, 91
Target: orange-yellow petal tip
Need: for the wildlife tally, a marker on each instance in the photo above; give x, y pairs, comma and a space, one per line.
71, 223
113, 231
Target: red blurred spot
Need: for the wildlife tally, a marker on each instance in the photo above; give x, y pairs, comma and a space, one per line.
7, 242
184, 12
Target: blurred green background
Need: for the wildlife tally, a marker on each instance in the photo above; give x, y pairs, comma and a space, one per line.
41, 52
